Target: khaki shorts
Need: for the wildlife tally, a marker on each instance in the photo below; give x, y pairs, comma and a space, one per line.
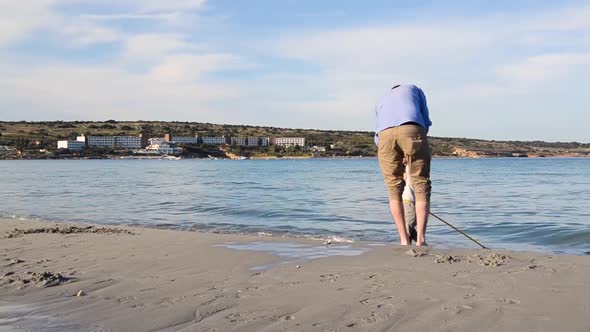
410, 141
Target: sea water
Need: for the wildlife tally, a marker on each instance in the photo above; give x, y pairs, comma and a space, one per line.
507, 203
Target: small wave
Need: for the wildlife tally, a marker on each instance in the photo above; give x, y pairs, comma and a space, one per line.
330, 239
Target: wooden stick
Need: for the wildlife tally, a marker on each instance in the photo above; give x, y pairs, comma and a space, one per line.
458, 230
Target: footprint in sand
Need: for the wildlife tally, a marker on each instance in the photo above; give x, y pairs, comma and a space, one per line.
206, 311
493, 259
509, 301
460, 308
448, 259
415, 253
329, 277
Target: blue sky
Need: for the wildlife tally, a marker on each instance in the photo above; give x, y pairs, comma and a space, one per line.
490, 69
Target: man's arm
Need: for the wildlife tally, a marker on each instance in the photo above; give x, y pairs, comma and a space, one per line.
424, 110
376, 138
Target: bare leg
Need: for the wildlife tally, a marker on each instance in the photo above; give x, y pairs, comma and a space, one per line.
422, 209
397, 211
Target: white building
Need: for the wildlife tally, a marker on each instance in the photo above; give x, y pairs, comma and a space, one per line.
214, 140
128, 142
71, 145
121, 142
161, 147
289, 141
264, 141
241, 141
185, 139
97, 141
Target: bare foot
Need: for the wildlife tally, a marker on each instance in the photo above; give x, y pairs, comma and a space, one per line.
421, 244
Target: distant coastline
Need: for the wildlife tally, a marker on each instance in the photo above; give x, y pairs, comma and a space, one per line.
38, 140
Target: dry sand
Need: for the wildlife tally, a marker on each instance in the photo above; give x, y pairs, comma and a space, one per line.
161, 280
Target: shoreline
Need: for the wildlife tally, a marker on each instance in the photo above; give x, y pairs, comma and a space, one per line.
154, 279
295, 158
315, 238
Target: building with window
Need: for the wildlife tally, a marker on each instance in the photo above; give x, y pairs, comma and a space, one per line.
240, 141
264, 141
214, 140
71, 145
127, 142
185, 139
289, 141
115, 142
253, 141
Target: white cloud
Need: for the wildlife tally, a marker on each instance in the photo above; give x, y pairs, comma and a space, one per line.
373, 46
542, 68
141, 6
18, 19
566, 19
21, 20
104, 91
468, 66
146, 74
81, 34
485, 67
167, 5
356, 65
154, 45
190, 68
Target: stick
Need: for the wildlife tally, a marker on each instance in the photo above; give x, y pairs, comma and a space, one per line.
458, 230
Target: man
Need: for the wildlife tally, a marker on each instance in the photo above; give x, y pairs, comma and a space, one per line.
401, 128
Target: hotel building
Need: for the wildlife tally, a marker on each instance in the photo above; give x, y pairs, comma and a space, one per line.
185, 139
289, 141
117, 142
240, 141
214, 140
253, 141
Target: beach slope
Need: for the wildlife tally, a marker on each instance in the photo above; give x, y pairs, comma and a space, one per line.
66, 277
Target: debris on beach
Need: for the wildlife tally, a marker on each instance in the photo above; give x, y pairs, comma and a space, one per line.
39, 279
493, 259
16, 261
438, 259
47, 279
68, 230
80, 293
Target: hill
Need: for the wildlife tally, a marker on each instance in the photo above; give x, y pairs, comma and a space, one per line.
39, 140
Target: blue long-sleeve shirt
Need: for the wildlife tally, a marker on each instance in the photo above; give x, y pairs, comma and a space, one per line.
405, 103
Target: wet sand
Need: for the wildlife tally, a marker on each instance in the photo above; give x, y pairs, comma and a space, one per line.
134, 279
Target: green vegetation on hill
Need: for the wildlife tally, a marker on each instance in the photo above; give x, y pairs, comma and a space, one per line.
39, 140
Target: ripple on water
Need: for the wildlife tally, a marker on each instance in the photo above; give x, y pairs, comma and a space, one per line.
504, 203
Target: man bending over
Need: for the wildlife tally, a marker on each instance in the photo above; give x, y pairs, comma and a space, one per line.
401, 128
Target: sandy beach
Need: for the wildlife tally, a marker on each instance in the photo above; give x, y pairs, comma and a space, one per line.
65, 277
